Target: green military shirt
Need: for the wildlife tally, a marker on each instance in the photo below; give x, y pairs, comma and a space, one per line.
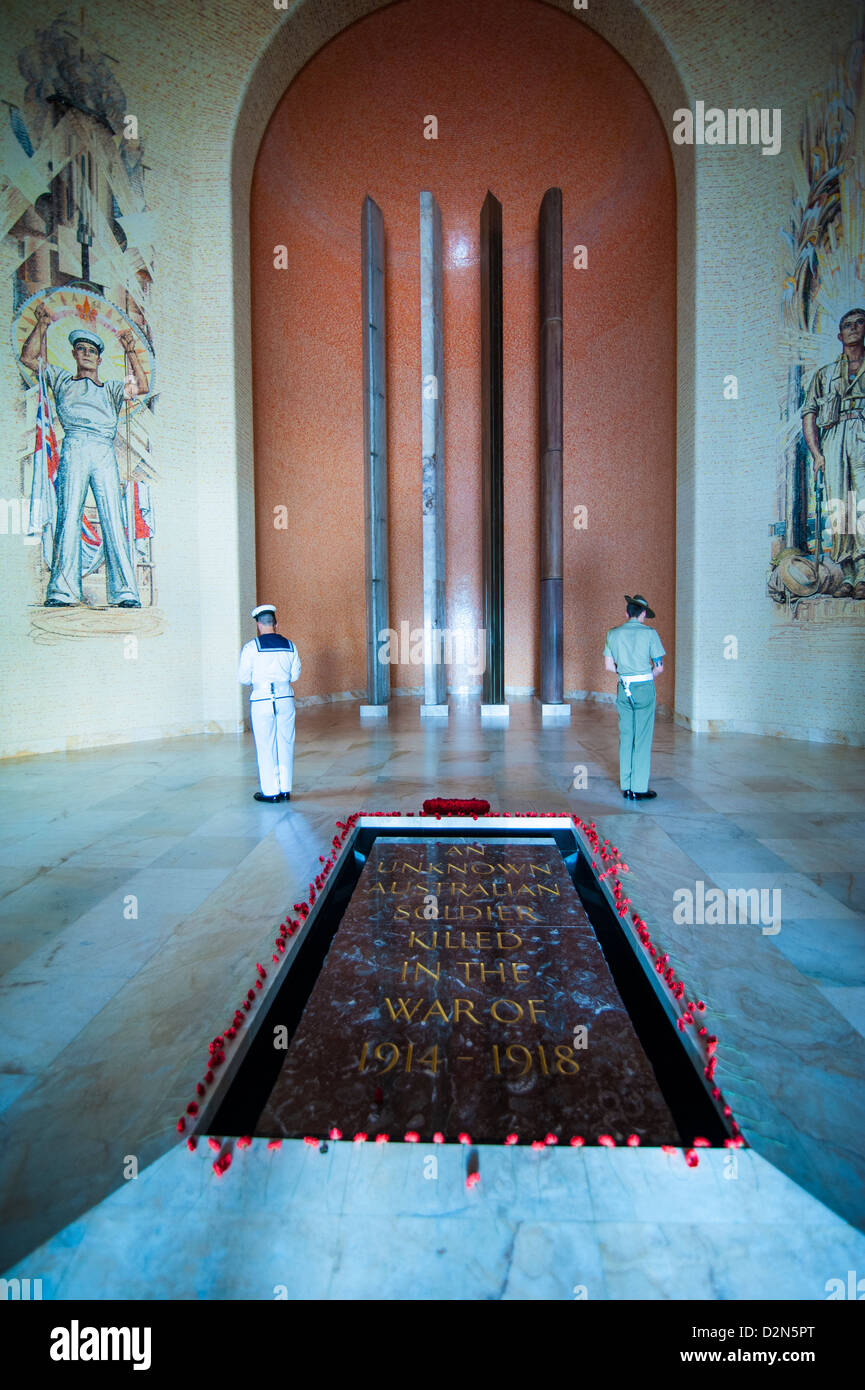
633, 647
832, 395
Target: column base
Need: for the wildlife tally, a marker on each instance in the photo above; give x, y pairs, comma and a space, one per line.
434, 711
495, 711
554, 711
373, 711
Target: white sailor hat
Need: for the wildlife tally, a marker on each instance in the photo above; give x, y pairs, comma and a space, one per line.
78, 333
263, 608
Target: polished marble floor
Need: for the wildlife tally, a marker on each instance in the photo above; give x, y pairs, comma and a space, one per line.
139, 885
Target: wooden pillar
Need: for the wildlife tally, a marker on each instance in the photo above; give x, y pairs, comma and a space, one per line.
492, 450
432, 448
374, 450
550, 442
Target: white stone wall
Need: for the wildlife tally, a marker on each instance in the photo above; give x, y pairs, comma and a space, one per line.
203, 81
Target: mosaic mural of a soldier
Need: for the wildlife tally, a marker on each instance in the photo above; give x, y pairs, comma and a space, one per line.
833, 423
89, 411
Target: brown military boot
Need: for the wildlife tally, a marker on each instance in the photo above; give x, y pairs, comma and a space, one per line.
859, 589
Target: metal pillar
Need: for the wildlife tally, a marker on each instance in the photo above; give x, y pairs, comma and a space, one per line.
550, 443
492, 452
374, 452
432, 448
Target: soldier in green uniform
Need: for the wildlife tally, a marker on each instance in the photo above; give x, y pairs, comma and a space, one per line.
634, 652
833, 423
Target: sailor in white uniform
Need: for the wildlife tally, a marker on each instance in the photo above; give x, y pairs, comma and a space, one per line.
269, 664
89, 411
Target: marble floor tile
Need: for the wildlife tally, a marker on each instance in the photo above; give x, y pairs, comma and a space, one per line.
13, 878
800, 896
713, 844
653, 1260
58, 839
94, 954
836, 852
33, 915
830, 951
44, 1016
848, 888
12, 1085
554, 1260
125, 849
849, 1000
15, 828
207, 852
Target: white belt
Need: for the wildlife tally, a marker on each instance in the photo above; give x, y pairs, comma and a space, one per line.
628, 681
277, 690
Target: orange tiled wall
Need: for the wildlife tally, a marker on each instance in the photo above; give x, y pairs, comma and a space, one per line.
525, 98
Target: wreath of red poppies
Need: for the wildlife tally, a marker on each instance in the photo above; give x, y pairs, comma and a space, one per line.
453, 806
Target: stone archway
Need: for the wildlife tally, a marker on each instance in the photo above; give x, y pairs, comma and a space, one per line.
294, 44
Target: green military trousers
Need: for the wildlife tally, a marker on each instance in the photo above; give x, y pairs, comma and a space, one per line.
636, 725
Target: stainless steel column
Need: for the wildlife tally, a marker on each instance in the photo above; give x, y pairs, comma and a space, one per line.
550, 441
374, 449
432, 448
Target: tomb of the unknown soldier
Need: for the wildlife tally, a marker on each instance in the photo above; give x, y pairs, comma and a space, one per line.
432, 734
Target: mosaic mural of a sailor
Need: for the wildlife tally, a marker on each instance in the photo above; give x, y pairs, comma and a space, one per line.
89, 410
77, 214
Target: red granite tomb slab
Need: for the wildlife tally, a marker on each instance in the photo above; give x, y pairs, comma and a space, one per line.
488, 1025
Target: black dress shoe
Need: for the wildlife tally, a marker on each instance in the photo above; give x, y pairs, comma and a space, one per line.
260, 796
628, 795
285, 796
129, 603
644, 796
